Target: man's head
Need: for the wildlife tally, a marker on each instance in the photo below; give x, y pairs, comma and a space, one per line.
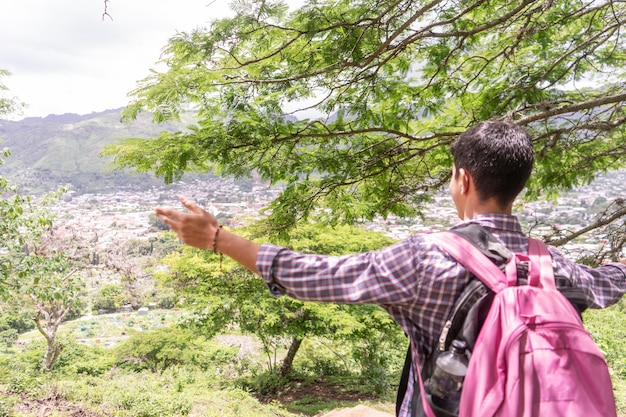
498, 155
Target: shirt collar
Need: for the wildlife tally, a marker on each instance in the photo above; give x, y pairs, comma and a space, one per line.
495, 222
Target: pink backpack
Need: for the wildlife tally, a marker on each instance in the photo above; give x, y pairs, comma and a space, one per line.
533, 356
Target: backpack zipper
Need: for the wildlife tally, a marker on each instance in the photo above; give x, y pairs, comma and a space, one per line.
444, 335
525, 327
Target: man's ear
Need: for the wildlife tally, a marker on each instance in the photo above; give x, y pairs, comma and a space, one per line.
464, 181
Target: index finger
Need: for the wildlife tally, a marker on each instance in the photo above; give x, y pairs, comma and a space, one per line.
166, 212
190, 205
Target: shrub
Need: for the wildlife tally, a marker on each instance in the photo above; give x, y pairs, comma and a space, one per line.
265, 383
110, 297
165, 298
21, 321
160, 349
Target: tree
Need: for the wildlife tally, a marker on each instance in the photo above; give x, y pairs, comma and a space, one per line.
353, 104
52, 280
224, 297
19, 219
34, 262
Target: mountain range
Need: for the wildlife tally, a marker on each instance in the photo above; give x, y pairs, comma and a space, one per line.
47, 152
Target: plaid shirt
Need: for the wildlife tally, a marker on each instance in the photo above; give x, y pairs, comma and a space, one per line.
415, 281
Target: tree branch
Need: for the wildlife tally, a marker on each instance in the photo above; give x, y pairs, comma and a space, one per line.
106, 10
572, 108
601, 221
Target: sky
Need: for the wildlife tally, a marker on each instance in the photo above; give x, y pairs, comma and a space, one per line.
65, 57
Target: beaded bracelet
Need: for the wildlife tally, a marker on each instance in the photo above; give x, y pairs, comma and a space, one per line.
217, 231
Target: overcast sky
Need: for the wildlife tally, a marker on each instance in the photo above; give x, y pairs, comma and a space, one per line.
65, 58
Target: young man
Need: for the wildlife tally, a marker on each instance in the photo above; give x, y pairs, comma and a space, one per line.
416, 282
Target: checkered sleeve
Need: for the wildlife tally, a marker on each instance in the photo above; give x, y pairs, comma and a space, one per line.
603, 286
381, 277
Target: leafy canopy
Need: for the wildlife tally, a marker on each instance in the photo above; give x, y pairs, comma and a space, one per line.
352, 105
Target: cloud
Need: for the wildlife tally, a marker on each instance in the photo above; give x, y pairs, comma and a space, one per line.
65, 57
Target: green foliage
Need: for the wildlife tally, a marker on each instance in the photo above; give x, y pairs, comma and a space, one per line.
156, 223
110, 297
8, 105
8, 337
20, 223
266, 383
19, 376
28, 359
77, 359
233, 296
32, 267
158, 350
164, 244
21, 321
6, 408
146, 404
165, 298
353, 104
177, 392
607, 328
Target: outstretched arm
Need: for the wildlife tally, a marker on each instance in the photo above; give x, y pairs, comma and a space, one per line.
200, 229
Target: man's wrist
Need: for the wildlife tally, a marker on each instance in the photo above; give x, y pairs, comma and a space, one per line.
215, 236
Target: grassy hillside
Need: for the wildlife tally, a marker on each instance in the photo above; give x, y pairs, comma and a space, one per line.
608, 328
104, 371
58, 150
101, 375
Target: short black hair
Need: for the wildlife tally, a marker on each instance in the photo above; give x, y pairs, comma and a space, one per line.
499, 155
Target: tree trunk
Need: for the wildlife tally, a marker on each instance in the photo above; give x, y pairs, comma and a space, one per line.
49, 332
53, 350
291, 354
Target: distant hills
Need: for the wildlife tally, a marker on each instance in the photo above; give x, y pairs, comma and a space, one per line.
65, 149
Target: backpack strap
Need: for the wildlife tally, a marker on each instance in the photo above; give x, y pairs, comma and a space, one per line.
473, 259
541, 272
427, 409
477, 263
404, 379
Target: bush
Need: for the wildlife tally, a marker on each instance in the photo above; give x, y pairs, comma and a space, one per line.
160, 349
30, 357
165, 298
22, 383
8, 337
77, 359
21, 321
316, 359
265, 383
110, 297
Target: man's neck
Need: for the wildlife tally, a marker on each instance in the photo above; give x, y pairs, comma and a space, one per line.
485, 207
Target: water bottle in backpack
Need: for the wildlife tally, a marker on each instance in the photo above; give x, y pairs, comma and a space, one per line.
447, 378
